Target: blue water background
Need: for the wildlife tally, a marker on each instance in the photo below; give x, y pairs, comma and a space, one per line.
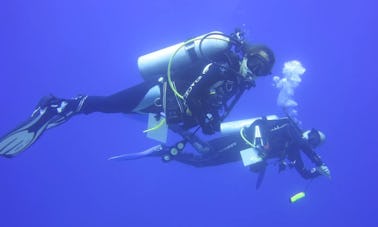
91, 47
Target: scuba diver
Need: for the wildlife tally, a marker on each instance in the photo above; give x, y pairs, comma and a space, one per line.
192, 84
255, 142
281, 138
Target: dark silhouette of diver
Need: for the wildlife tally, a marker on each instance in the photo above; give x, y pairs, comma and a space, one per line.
195, 83
278, 139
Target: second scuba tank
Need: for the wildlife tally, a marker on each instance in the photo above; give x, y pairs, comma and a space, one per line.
235, 126
155, 64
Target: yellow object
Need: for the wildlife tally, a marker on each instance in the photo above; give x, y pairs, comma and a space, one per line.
244, 138
161, 123
297, 197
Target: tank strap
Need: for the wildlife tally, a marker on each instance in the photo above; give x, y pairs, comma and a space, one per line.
172, 106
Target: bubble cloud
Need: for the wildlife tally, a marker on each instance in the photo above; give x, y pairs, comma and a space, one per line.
290, 80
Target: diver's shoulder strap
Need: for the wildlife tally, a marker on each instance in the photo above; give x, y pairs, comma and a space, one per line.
172, 105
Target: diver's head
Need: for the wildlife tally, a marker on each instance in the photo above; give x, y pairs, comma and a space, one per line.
314, 137
259, 59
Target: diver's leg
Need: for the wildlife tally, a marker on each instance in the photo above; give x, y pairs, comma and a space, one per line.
140, 98
49, 112
52, 111
196, 160
224, 149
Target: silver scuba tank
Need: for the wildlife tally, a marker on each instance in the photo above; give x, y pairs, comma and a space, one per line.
235, 126
181, 55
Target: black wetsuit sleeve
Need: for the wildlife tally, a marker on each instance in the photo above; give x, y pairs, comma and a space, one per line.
295, 156
296, 159
294, 149
311, 154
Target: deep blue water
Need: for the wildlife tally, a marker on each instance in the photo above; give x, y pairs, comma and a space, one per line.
91, 47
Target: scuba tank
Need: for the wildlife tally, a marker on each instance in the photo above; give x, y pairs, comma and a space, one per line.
235, 126
154, 65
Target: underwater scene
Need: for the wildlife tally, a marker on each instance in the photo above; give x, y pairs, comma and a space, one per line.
188, 113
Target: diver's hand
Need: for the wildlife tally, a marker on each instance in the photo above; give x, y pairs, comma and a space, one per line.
324, 170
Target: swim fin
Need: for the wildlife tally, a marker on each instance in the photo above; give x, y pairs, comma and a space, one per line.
49, 112
260, 169
157, 150
260, 177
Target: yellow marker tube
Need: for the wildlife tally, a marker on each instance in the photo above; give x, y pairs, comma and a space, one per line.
297, 197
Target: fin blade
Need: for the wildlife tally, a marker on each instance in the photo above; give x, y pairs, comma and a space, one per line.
153, 151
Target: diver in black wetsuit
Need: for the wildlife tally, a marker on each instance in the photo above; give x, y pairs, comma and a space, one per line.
283, 139
201, 91
278, 138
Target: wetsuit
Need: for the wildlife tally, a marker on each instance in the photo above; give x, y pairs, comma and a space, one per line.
207, 90
282, 140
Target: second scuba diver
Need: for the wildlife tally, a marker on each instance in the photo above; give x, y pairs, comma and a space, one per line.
255, 142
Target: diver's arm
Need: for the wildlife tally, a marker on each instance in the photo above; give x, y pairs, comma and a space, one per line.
311, 154
295, 157
321, 168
